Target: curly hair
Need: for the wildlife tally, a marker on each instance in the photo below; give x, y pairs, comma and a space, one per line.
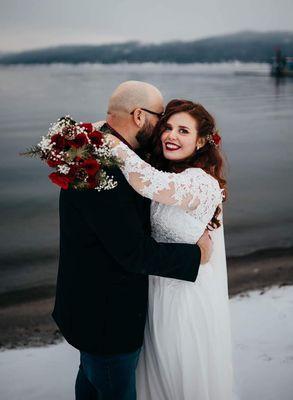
209, 157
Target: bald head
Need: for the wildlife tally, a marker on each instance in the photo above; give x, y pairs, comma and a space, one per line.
134, 110
135, 94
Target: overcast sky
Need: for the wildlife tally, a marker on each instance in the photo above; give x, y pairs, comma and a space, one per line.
28, 24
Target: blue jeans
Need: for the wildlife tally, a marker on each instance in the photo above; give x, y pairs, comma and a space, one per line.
106, 377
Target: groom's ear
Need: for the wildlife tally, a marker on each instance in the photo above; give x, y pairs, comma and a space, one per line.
139, 117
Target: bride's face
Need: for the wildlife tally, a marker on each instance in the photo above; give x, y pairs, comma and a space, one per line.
179, 139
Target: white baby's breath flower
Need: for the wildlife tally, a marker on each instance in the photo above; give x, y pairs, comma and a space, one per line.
104, 150
45, 144
63, 169
106, 182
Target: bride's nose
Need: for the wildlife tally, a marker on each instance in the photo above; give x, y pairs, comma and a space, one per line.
172, 134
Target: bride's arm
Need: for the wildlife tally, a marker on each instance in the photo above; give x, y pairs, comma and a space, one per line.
181, 189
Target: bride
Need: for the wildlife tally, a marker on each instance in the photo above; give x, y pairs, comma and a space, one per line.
187, 345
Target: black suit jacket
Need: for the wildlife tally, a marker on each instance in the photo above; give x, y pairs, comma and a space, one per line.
106, 254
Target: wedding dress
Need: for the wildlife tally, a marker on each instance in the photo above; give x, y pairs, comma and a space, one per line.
187, 346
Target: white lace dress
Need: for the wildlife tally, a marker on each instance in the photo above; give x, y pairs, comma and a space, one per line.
187, 347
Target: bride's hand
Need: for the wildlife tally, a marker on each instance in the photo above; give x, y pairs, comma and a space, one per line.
206, 247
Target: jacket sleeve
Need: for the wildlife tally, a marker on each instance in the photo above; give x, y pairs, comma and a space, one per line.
113, 217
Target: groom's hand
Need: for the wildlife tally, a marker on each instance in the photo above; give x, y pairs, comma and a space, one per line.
206, 247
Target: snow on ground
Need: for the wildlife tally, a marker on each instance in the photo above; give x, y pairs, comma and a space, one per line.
263, 344
263, 351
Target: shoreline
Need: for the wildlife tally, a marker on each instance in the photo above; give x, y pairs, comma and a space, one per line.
25, 314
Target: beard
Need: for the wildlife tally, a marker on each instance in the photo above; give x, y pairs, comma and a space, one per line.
145, 137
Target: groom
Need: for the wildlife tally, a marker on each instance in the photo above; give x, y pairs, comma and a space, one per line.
106, 255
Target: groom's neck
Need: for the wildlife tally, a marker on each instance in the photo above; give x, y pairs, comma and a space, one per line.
127, 132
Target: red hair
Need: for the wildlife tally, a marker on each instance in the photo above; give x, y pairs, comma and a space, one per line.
208, 157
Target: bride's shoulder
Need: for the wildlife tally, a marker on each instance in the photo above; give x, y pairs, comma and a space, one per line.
199, 173
206, 183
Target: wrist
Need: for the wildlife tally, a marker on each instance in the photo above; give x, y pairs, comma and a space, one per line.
203, 255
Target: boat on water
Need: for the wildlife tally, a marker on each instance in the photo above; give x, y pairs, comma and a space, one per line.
282, 66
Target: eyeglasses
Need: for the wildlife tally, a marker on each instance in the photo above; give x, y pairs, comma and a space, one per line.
160, 115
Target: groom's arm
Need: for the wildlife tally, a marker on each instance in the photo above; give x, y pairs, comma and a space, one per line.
112, 215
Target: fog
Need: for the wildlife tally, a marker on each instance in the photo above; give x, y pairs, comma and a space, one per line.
41, 23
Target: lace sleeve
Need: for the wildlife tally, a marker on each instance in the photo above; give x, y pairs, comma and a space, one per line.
187, 189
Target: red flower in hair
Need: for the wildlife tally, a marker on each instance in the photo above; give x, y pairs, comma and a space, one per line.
60, 180
216, 138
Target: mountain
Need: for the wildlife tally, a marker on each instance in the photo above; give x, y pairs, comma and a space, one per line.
245, 46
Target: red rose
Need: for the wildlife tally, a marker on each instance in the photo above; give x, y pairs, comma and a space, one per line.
216, 138
58, 140
96, 138
72, 172
54, 163
60, 180
92, 182
87, 126
79, 140
91, 166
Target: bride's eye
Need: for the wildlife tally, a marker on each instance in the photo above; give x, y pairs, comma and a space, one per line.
167, 128
182, 130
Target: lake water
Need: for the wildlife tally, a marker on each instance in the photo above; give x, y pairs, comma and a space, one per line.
254, 114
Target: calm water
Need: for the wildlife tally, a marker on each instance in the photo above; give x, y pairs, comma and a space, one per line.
254, 114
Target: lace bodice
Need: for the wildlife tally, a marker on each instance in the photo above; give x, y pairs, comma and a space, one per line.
193, 191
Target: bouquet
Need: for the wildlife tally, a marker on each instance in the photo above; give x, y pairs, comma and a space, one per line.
78, 154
